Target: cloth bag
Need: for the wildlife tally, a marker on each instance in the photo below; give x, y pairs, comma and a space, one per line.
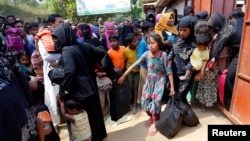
170, 120
104, 83
189, 116
119, 101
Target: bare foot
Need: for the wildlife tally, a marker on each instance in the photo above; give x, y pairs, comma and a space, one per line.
152, 130
149, 122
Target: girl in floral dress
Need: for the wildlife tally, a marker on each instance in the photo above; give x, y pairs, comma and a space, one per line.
158, 67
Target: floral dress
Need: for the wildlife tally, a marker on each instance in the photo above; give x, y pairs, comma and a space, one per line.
207, 88
158, 68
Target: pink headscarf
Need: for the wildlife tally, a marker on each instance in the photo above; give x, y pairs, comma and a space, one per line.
109, 30
158, 16
78, 34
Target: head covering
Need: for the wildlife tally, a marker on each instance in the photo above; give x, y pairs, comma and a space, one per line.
202, 15
86, 35
36, 60
78, 34
150, 13
95, 29
158, 16
109, 30
15, 43
217, 21
162, 25
189, 22
176, 14
187, 10
64, 35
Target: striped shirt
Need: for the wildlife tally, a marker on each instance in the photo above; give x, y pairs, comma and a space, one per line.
80, 128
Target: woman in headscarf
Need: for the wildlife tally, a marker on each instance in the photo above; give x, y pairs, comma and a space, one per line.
166, 29
74, 57
228, 35
109, 30
88, 35
188, 10
150, 15
175, 15
79, 35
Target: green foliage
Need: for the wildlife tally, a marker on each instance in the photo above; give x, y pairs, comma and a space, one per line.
22, 11
28, 9
67, 8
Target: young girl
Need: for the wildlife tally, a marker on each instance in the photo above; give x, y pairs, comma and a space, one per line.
158, 67
25, 63
80, 123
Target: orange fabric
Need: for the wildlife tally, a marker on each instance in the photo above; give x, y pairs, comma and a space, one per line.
44, 34
44, 116
117, 57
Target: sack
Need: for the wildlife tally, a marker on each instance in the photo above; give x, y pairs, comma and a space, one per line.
189, 116
104, 83
119, 101
170, 120
14, 39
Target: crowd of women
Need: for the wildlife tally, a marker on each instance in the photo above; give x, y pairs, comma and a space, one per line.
49, 70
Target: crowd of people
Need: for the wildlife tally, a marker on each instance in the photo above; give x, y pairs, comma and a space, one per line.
55, 71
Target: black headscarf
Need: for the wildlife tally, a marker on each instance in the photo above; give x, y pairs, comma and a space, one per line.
86, 35
188, 21
202, 15
187, 10
150, 13
217, 21
65, 36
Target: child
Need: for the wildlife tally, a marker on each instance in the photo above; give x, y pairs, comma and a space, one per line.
25, 64
133, 78
48, 132
200, 55
80, 127
158, 67
116, 53
147, 27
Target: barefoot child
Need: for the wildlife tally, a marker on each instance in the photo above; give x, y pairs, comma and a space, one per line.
79, 120
158, 67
